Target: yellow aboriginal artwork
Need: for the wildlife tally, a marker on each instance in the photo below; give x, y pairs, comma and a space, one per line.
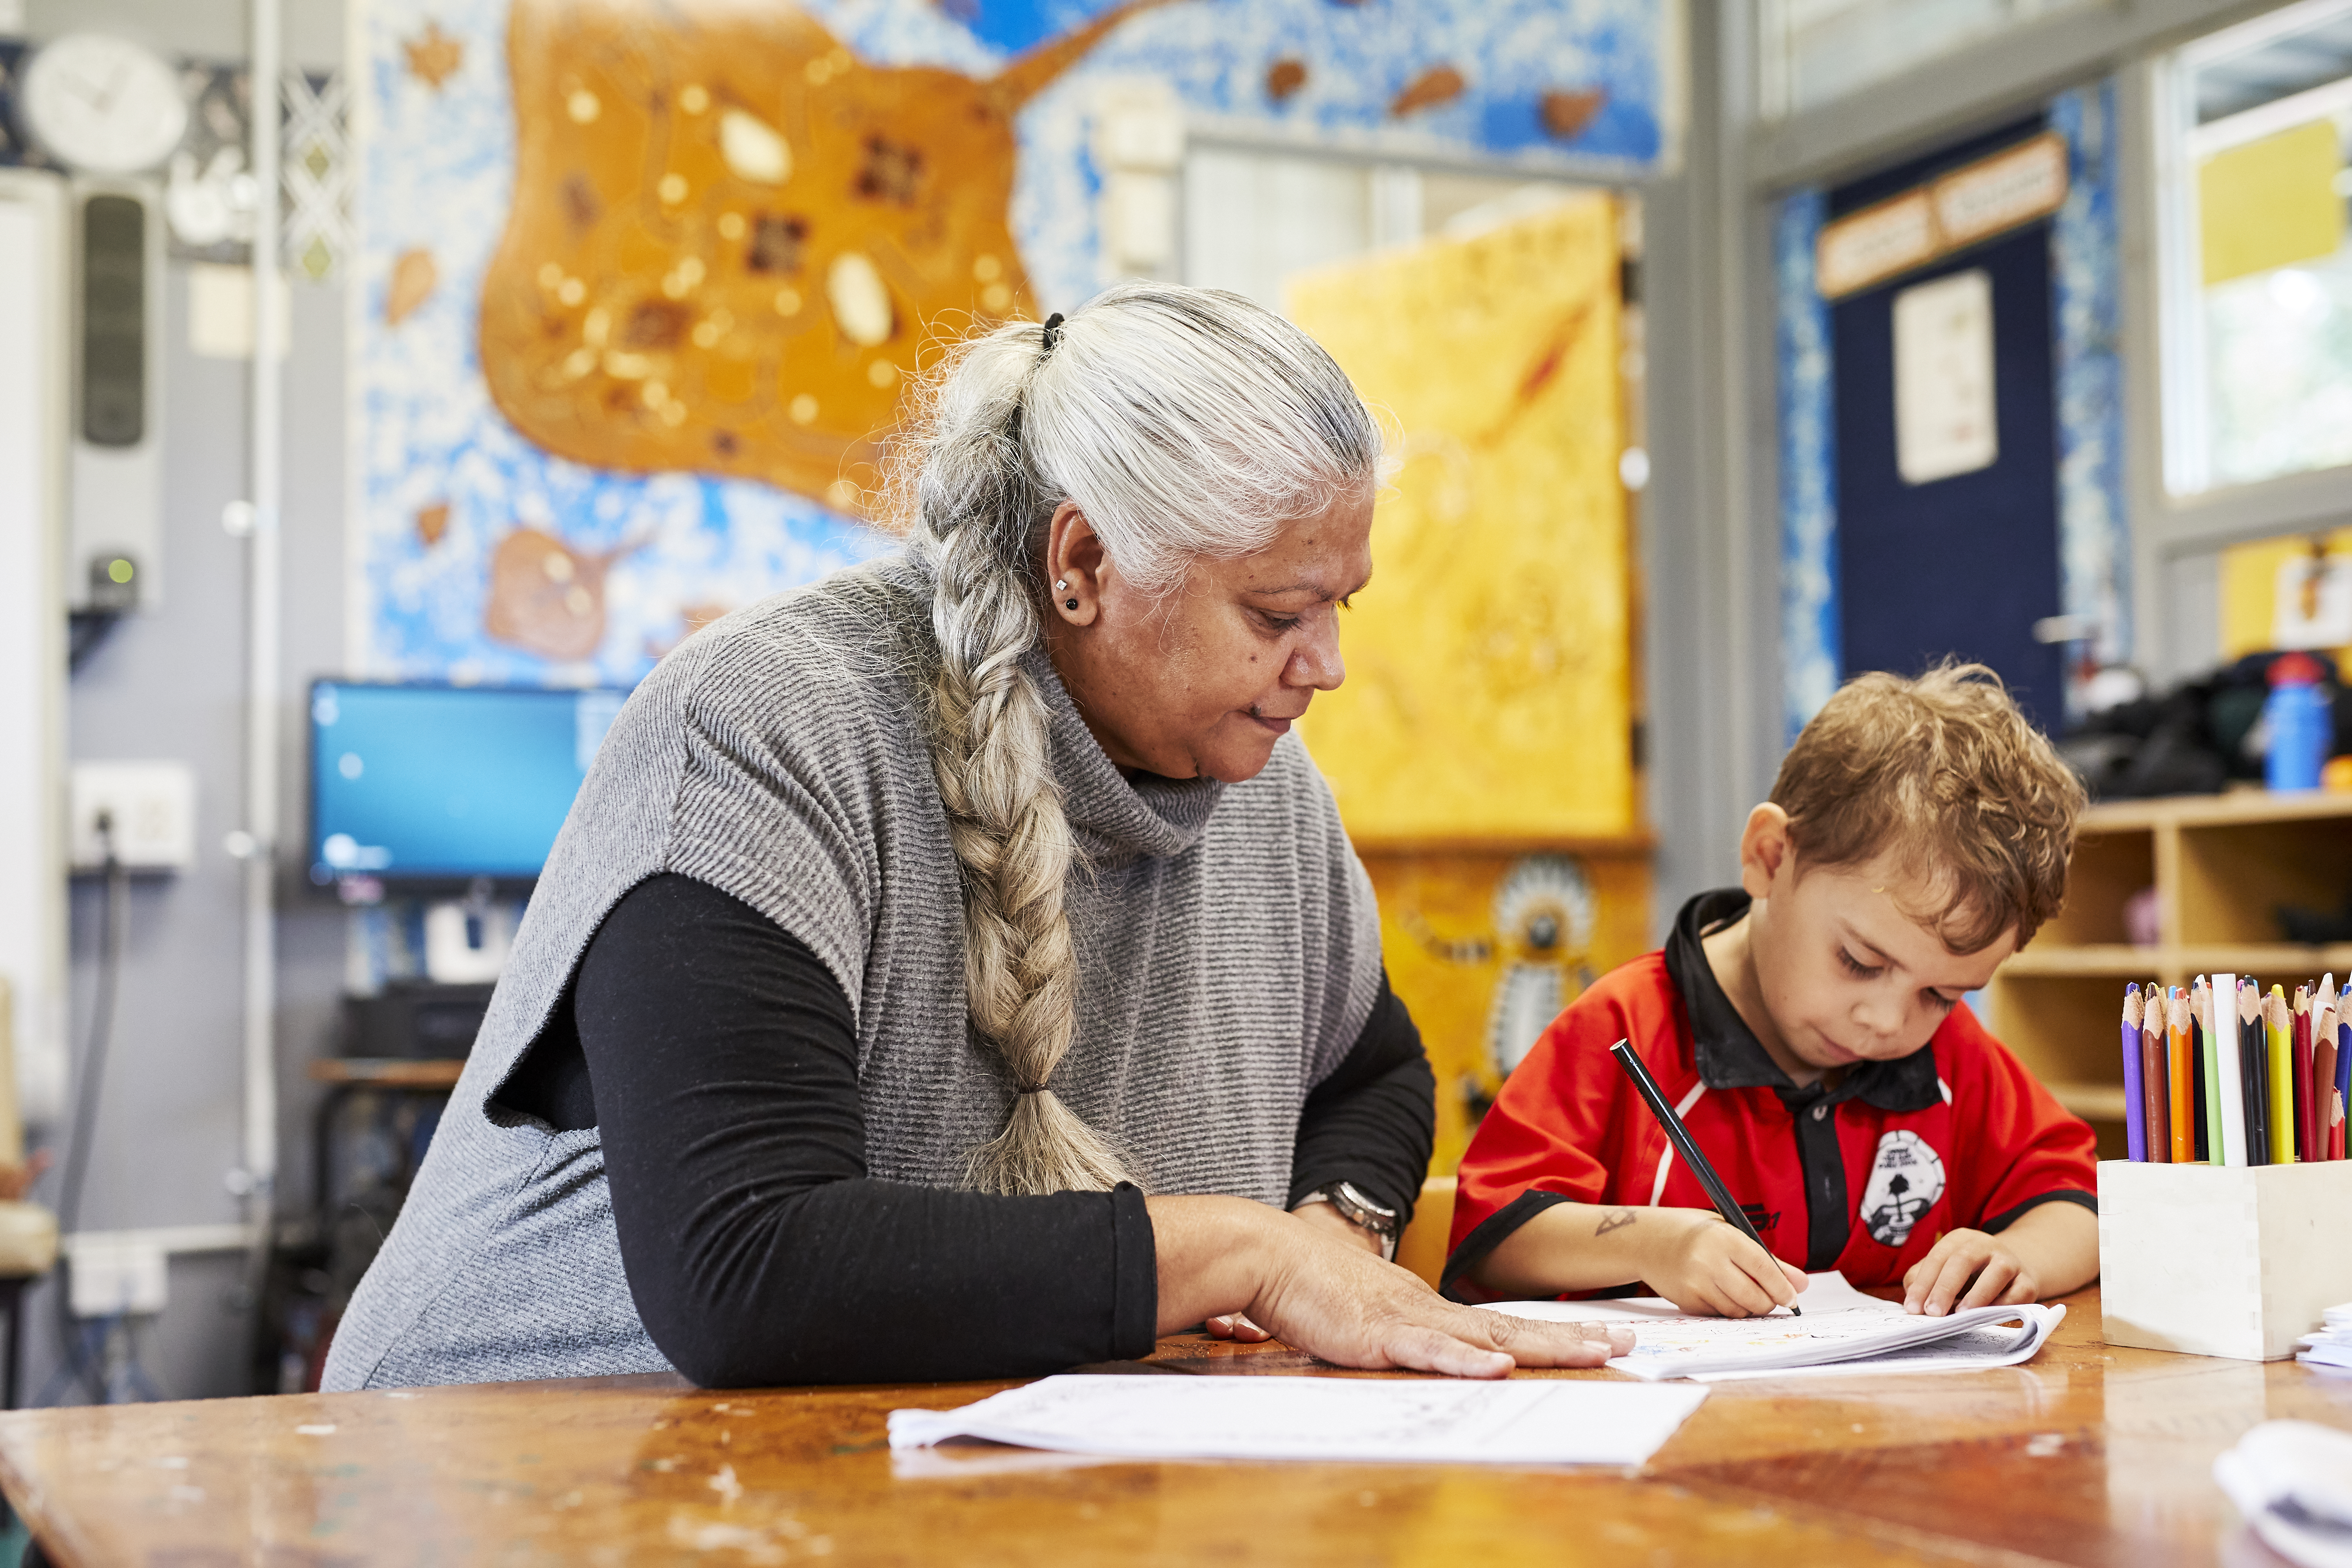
1489, 690
1486, 950
731, 236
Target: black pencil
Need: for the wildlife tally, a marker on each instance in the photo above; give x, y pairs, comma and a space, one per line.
1687, 1147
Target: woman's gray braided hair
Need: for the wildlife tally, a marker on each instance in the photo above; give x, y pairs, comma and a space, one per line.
1184, 423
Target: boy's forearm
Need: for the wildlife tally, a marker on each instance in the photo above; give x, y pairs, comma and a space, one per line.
2058, 1243
1575, 1247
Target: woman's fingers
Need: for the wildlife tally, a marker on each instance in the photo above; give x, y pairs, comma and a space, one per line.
1236, 1326
1417, 1347
1533, 1344
1482, 1348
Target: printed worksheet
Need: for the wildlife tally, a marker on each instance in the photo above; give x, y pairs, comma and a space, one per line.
1420, 1420
1841, 1328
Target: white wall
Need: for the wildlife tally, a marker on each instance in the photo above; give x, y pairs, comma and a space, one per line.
32, 667
169, 684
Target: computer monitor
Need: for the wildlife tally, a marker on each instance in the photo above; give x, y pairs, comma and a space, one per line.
431, 788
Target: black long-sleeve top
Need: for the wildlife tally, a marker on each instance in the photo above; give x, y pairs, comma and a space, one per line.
718, 1056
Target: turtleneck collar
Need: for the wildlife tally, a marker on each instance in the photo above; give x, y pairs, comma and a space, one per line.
1112, 818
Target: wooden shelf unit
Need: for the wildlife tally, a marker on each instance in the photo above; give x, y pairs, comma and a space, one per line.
2221, 866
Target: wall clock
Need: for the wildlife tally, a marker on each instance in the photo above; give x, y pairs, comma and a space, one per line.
103, 104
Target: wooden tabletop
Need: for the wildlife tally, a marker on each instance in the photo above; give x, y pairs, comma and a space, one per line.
2088, 1455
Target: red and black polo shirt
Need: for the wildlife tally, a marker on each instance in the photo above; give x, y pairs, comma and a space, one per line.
1861, 1178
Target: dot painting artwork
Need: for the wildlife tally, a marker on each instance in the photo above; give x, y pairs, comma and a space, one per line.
627, 321
646, 283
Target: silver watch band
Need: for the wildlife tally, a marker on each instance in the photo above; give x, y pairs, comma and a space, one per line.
1358, 1209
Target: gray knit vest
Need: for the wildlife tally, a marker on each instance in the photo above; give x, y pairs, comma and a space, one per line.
1228, 955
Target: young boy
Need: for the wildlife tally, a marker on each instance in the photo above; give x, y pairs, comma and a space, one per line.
1808, 1026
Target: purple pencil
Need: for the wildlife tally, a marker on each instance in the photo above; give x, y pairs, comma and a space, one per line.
2135, 1108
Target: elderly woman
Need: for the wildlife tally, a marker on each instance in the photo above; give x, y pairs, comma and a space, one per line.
955, 969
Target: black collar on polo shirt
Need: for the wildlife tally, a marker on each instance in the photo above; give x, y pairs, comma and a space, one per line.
1730, 1054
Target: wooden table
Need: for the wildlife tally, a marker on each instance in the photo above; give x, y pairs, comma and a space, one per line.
2089, 1455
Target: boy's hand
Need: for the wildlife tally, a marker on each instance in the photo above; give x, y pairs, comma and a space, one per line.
1935, 1283
1705, 1266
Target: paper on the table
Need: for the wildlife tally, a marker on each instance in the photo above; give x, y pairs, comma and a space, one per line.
1839, 1324
1973, 1349
2293, 1481
1423, 1420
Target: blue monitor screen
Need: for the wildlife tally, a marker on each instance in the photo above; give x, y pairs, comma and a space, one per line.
446, 783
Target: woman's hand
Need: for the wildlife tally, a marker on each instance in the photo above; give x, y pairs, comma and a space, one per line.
1326, 1219
1320, 1295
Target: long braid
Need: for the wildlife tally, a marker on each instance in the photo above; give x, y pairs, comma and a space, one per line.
977, 507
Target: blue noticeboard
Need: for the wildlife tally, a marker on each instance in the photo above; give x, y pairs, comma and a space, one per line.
446, 784
1963, 566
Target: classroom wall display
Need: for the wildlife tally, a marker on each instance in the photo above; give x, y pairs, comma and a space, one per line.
642, 286
208, 190
2087, 376
1810, 658
1489, 689
1481, 749
1486, 949
2294, 591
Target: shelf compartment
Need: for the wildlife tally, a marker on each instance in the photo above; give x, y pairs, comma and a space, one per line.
2177, 965
2108, 867
2065, 1028
2091, 1101
2235, 876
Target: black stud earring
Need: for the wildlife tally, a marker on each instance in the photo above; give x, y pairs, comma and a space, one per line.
1069, 603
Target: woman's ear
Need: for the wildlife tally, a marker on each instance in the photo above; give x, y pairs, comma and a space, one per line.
1074, 565
1764, 849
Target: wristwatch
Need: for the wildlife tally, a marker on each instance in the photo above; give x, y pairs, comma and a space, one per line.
1358, 1210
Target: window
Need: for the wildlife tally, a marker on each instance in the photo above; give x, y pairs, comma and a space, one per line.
2256, 276
1814, 51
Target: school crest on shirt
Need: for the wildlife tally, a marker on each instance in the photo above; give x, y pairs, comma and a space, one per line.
1905, 1180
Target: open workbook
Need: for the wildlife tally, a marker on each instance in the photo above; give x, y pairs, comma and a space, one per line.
1841, 1330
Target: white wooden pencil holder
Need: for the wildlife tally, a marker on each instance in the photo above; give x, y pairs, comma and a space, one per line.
2227, 1260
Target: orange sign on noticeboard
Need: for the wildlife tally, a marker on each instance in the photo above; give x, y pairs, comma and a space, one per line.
1985, 198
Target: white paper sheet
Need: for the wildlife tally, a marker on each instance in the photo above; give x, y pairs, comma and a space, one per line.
1524, 1421
1840, 1325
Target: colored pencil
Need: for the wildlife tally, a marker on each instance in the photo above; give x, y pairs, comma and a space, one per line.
2278, 1037
2323, 1076
2135, 1108
2256, 1057
2343, 1069
2153, 1092
2229, 1065
2200, 1073
2179, 1080
2307, 1102
2323, 1085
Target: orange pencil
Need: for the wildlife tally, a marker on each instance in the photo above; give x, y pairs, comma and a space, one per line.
2181, 1080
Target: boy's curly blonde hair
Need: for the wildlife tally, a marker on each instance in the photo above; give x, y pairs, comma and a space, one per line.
1946, 774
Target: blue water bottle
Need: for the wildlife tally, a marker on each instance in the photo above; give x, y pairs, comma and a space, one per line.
2302, 726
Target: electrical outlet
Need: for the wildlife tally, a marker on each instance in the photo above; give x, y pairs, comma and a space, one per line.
151, 807
113, 1277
